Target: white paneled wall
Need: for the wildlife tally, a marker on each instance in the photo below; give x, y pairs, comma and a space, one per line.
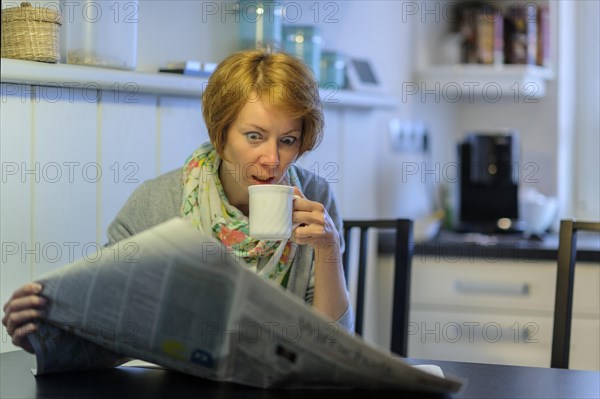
71, 158
347, 159
359, 162
325, 160
15, 193
64, 160
128, 144
178, 140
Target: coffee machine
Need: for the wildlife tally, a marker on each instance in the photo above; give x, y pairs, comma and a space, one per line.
489, 183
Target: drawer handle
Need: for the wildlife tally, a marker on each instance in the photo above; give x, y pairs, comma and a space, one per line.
492, 288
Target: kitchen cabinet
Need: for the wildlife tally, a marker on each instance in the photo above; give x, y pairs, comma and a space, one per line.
499, 311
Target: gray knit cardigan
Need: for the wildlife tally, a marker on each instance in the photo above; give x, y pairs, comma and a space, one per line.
158, 200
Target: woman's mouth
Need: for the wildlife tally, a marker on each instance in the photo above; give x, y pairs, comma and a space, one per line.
263, 180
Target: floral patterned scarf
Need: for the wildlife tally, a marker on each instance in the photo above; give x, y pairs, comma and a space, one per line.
206, 207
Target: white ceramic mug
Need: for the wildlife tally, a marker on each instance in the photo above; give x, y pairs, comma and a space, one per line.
271, 208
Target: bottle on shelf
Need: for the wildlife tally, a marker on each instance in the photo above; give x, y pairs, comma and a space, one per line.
304, 41
260, 24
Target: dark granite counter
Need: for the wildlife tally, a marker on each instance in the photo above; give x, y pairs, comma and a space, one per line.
517, 247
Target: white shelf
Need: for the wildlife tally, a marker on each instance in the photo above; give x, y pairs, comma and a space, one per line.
470, 81
63, 75
357, 99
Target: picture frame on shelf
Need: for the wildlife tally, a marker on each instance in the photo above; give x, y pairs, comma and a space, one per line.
361, 76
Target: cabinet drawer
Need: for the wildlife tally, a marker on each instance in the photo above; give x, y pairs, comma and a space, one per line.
480, 337
503, 285
497, 285
503, 339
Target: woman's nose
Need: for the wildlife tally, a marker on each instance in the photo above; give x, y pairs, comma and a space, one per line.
270, 155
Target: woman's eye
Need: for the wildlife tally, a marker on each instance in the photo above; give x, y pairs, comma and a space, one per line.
253, 136
289, 140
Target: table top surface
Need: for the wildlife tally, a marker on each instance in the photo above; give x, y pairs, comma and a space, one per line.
482, 381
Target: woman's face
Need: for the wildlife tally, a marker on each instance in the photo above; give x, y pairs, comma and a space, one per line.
262, 142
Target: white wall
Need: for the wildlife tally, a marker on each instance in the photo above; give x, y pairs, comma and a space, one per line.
587, 170
70, 158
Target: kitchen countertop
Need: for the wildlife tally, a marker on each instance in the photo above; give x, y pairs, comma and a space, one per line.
501, 246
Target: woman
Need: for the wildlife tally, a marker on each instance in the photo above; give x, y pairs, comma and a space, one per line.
262, 111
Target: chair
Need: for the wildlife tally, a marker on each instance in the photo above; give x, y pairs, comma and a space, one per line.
402, 271
563, 302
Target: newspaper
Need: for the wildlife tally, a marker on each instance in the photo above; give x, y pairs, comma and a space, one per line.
176, 298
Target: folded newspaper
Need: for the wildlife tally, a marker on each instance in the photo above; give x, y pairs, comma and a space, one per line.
174, 297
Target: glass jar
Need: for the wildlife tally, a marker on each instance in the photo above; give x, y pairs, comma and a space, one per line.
260, 24
305, 43
333, 70
102, 33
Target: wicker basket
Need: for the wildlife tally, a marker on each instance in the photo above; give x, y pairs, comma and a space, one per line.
30, 33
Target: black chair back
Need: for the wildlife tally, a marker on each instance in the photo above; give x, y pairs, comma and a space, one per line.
403, 251
565, 278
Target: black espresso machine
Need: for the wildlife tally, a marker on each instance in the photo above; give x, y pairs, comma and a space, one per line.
489, 183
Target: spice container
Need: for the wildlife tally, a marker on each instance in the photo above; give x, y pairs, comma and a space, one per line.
305, 43
333, 70
30, 33
103, 33
260, 24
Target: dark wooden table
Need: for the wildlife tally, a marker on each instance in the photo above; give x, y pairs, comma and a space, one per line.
483, 381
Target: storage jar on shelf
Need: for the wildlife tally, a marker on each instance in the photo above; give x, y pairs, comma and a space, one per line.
260, 24
333, 70
103, 33
304, 41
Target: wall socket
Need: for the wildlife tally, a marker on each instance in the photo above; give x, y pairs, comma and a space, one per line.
408, 136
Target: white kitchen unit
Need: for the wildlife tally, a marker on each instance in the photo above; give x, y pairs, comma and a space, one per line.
494, 310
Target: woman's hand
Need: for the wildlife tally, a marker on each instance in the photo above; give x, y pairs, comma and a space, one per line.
318, 230
22, 312
315, 225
